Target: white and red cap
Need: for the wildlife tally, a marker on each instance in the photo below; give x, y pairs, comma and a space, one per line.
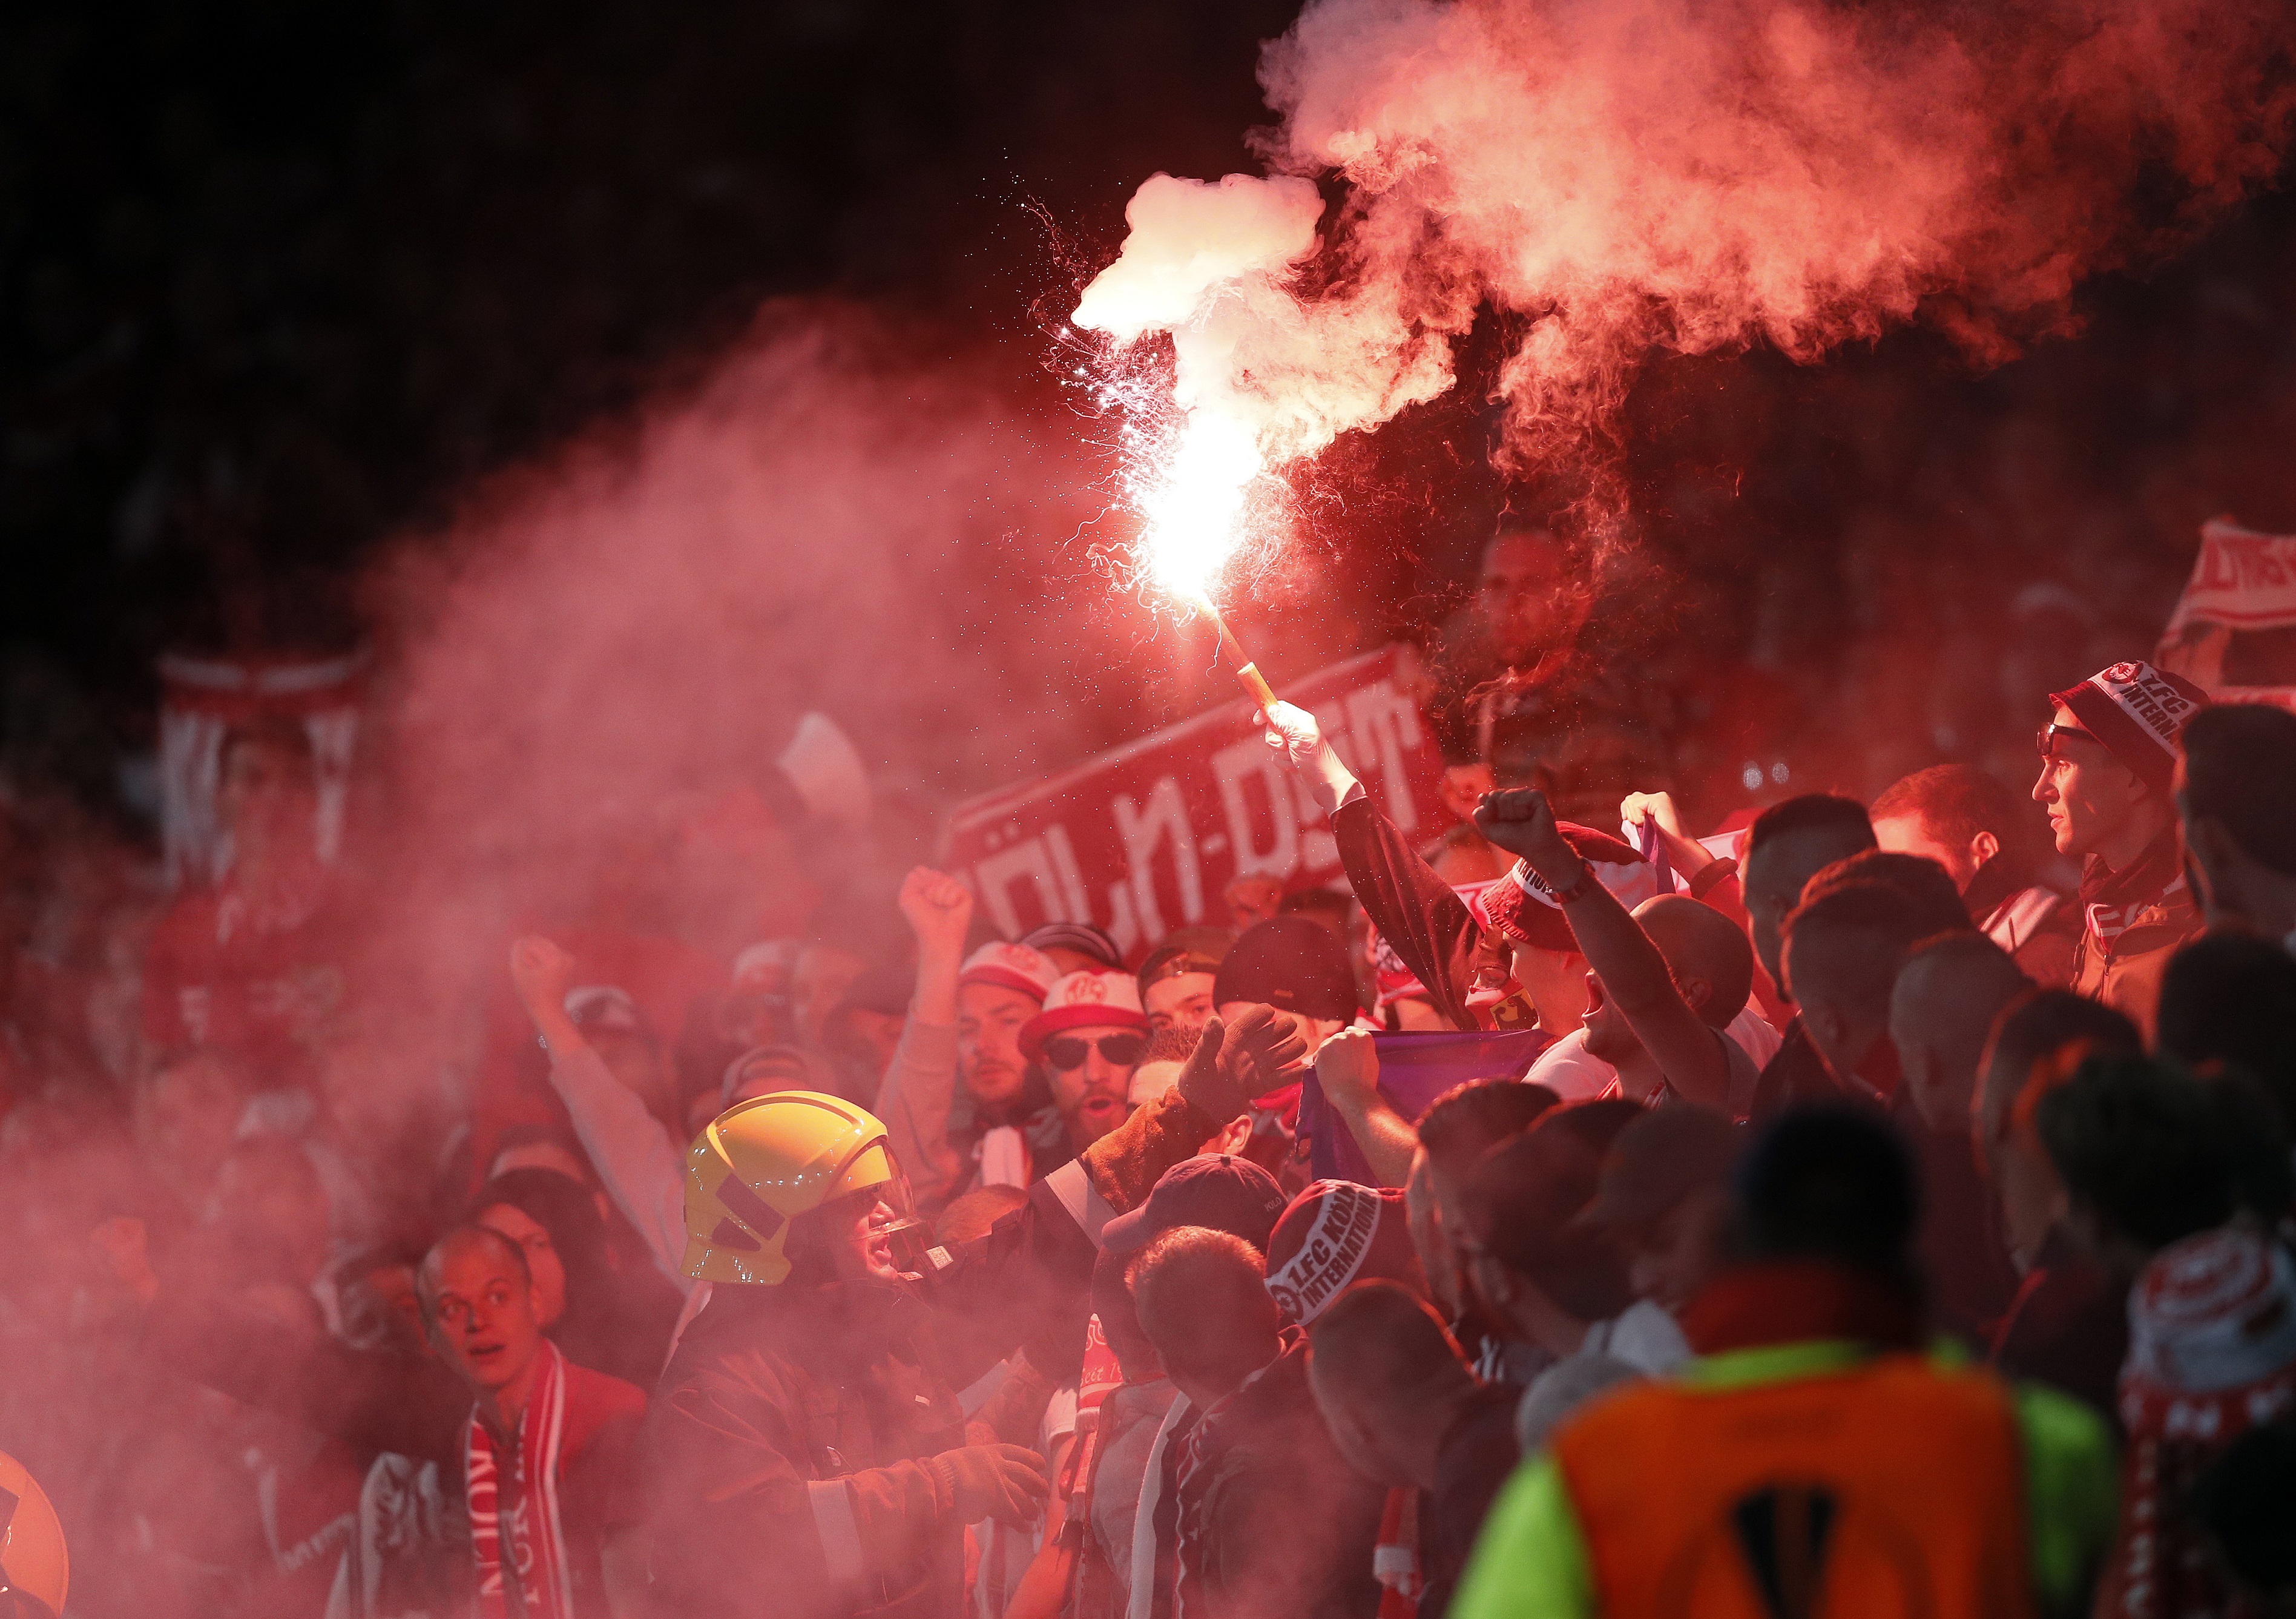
1519, 906
2137, 711
1085, 1000
1335, 1233
1009, 966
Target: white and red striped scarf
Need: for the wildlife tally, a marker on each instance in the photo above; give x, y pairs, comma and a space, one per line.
538, 1546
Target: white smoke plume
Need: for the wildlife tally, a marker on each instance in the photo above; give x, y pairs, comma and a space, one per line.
1616, 176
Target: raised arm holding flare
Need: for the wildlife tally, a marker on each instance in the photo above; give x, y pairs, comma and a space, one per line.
1414, 910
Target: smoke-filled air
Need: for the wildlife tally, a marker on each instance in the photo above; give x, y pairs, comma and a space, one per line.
1524, 845
1611, 179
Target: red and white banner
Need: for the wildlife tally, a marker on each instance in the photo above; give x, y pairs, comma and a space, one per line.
1144, 838
202, 698
2233, 631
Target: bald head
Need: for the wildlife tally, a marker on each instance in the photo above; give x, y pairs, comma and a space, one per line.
1701, 946
1203, 1304
460, 1241
1941, 1011
1842, 952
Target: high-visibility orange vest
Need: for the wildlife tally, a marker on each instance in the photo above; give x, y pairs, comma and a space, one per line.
1893, 1489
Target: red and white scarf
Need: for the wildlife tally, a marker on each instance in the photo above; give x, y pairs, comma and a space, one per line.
2111, 900
537, 1545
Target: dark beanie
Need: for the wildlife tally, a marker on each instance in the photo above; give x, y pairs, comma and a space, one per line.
1293, 964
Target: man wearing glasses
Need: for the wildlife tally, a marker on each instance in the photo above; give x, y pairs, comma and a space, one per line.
2108, 765
1087, 1040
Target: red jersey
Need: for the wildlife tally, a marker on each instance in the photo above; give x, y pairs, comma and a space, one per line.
259, 982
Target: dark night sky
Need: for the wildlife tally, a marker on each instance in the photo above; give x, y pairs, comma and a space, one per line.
279, 279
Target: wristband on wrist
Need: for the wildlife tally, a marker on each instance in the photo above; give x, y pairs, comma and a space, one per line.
1573, 889
1711, 875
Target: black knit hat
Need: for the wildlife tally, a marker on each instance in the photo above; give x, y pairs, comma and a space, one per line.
1291, 964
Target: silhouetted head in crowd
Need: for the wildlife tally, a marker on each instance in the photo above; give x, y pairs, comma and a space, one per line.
1217, 1191
1958, 815
2231, 998
1927, 890
2264, 1177
1831, 1184
1326, 908
1941, 1014
1664, 1199
543, 1146
1075, 947
2145, 1155
2031, 1029
480, 1311
272, 1208
1388, 1381
1203, 1304
1295, 965
1707, 955
185, 1115
1176, 978
267, 792
2108, 761
2236, 793
1457, 1129
556, 1227
1533, 1264
1788, 844
1842, 953
826, 970
864, 1028
379, 1305
1527, 593
758, 1071
611, 1319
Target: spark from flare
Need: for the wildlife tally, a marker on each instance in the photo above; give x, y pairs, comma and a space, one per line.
1201, 258
1194, 507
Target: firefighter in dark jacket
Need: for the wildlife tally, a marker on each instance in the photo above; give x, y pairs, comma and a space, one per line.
804, 1457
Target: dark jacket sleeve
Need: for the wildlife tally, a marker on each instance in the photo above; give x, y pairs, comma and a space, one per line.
374, 1400
739, 1525
1027, 1283
1414, 910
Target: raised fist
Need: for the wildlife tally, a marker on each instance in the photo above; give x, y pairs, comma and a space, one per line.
541, 974
938, 908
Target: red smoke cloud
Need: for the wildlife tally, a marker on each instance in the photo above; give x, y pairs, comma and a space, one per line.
1623, 175
598, 665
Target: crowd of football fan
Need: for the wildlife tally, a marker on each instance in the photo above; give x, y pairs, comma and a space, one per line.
1866, 1209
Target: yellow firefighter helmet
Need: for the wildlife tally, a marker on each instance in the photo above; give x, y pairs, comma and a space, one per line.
763, 1161
32, 1561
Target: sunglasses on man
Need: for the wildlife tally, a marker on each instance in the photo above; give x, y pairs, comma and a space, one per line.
2046, 738
1067, 1051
